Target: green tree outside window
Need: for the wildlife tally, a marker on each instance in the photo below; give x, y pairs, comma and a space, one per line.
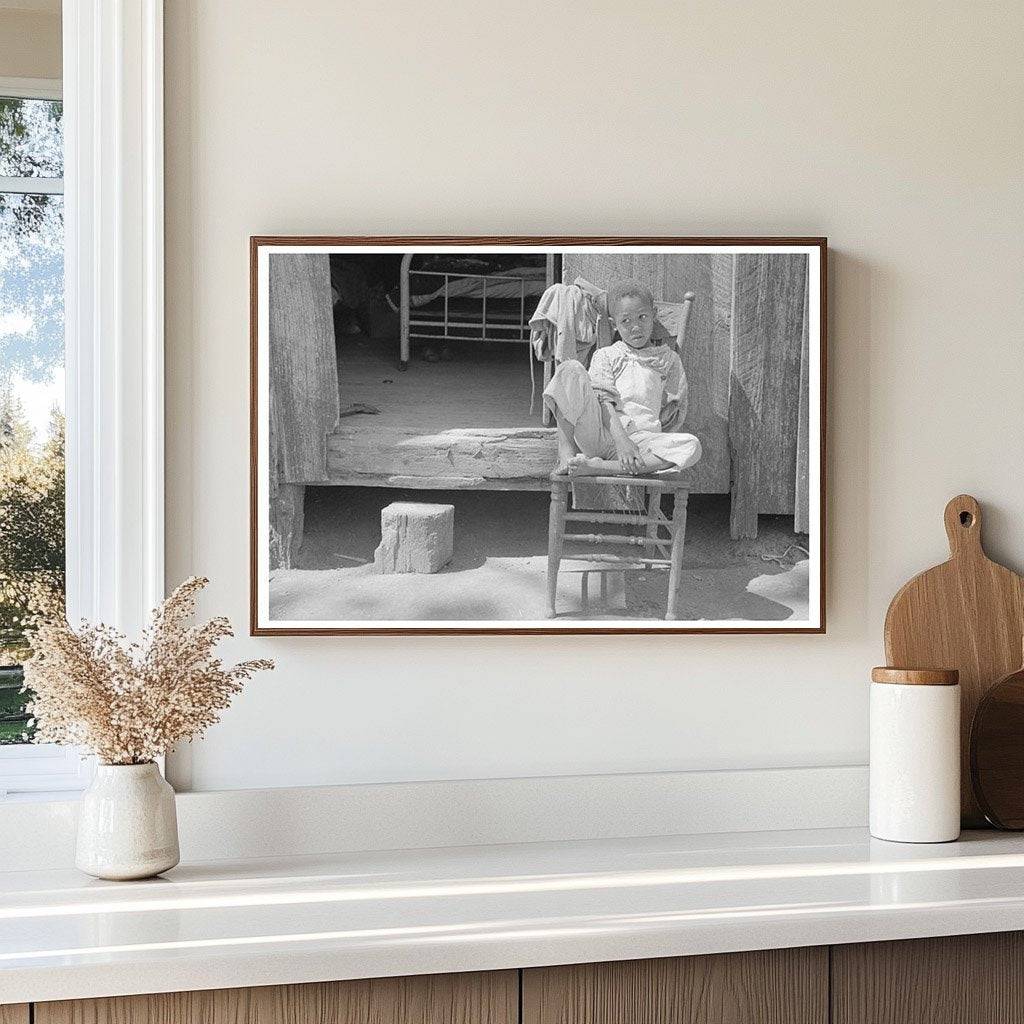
32, 553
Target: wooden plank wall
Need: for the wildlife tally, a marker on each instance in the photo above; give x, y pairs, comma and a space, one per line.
706, 359
764, 391
801, 515
304, 402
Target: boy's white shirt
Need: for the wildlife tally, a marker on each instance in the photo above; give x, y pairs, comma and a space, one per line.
647, 385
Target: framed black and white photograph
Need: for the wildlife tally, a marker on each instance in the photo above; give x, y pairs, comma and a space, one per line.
537, 435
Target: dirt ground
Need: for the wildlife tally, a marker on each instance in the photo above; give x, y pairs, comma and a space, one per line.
500, 563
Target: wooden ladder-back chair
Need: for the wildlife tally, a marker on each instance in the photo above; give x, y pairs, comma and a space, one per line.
657, 546
655, 541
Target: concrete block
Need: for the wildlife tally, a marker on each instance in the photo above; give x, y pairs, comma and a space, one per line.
415, 537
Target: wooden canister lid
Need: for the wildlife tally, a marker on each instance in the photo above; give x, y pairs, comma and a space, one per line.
916, 676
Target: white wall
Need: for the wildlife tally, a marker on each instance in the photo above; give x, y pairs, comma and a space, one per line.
895, 129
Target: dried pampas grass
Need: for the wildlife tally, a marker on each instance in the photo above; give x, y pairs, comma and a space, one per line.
129, 703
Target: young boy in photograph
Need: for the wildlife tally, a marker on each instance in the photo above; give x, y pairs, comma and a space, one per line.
618, 418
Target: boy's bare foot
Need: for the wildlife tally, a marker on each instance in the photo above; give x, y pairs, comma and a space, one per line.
566, 456
583, 465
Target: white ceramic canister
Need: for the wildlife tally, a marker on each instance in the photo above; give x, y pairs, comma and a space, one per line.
127, 825
915, 755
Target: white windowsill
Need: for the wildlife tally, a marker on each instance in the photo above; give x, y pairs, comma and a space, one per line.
42, 771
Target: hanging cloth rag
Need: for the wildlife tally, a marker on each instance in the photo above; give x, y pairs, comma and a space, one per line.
564, 324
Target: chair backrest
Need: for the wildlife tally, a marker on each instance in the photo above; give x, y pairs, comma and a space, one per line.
670, 327
674, 317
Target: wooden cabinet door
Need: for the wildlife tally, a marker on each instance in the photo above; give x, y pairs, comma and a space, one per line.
480, 998
960, 979
778, 986
14, 1013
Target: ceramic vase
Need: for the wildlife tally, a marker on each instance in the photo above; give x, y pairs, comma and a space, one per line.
127, 825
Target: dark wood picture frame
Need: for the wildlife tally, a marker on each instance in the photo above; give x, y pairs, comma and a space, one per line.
566, 243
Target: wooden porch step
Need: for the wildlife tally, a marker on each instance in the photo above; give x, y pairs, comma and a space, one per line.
371, 454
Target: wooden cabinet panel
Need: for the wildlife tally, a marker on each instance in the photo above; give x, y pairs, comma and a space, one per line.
14, 1013
968, 979
779, 986
480, 998
961, 979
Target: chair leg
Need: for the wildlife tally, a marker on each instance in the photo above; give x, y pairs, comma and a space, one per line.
678, 539
556, 533
653, 514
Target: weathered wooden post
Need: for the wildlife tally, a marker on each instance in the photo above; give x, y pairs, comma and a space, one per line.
764, 390
304, 402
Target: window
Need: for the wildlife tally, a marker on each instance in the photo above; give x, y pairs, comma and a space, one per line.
92, 171
32, 562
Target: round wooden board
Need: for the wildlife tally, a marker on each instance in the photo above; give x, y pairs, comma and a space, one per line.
997, 752
967, 614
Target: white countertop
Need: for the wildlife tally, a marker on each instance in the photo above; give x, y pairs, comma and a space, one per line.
261, 922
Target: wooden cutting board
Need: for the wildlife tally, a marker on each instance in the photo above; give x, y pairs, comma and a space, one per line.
967, 614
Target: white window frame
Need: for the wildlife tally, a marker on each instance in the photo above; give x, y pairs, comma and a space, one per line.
114, 326
32, 88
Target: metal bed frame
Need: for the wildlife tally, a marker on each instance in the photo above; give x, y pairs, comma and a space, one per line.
490, 325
